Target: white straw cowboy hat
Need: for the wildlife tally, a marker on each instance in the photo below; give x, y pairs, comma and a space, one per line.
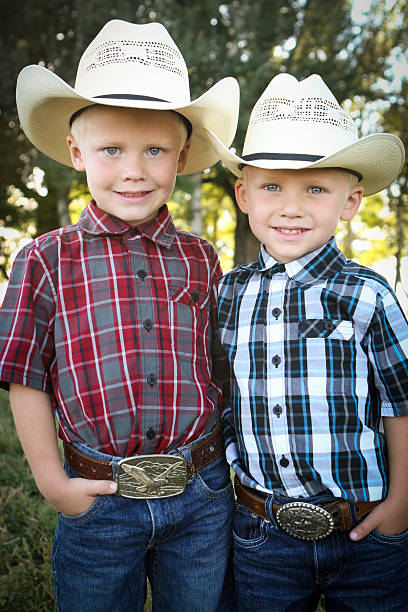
299, 124
132, 65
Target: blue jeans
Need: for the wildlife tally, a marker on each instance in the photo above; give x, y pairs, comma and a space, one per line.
275, 572
101, 558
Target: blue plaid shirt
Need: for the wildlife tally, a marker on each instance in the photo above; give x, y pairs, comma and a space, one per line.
318, 352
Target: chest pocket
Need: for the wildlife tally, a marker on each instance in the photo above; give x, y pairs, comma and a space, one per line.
191, 329
189, 297
326, 328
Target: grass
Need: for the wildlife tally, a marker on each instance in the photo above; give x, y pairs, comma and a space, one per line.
27, 524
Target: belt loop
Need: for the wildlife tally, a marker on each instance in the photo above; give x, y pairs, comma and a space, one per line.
114, 465
269, 511
182, 451
353, 514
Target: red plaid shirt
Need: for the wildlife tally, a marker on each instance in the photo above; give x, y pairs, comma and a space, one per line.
117, 324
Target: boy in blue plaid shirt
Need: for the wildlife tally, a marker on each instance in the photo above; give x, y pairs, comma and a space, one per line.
316, 426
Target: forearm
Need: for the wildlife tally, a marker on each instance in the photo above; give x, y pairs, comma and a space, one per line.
34, 421
391, 516
396, 434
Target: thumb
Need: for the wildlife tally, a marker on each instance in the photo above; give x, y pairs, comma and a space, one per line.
101, 487
363, 529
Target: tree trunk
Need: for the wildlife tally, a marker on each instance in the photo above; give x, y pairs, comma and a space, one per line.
246, 245
196, 211
400, 240
348, 241
63, 214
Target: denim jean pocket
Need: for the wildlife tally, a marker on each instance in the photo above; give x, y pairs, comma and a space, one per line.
385, 538
88, 513
214, 480
91, 510
248, 528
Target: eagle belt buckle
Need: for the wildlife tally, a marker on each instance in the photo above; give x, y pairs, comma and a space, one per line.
151, 476
305, 521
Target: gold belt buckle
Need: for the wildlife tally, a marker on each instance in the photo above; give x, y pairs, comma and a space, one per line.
151, 476
305, 521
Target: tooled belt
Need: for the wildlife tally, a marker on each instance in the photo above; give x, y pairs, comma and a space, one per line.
303, 520
148, 476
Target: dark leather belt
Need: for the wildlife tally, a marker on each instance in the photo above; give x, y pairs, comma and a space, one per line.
203, 453
303, 520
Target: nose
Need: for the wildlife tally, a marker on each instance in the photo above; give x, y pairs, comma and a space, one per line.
291, 205
134, 168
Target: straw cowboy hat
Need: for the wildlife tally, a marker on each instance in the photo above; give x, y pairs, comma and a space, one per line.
137, 66
299, 124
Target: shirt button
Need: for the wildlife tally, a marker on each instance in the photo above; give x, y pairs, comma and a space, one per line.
195, 296
277, 410
329, 325
147, 324
141, 273
284, 462
276, 360
151, 379
268, 274
150, 433
134, 231
276, 312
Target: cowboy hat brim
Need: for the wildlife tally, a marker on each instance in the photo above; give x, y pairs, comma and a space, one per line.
378, 158
45, 105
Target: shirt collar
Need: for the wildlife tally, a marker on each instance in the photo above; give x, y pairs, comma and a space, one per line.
95, 221
324, 262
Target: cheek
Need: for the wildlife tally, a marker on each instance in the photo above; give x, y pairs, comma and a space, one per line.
258, 224
259, 214
326, 217
166, 174
100, 175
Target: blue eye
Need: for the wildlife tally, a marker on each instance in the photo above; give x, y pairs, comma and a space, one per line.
271, 187
154, 151
111, 150
316, 190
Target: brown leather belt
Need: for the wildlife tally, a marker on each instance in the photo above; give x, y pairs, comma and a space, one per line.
203, 453
303, 520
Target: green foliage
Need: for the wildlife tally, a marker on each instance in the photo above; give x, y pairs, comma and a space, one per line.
27, 524
219, 222
368, 237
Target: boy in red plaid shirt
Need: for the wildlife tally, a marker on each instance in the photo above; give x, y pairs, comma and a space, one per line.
109, 325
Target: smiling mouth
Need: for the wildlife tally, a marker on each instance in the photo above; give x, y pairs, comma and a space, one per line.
133, 194
290, 231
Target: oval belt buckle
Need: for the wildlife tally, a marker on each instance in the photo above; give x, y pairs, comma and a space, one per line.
151, 476
305, 521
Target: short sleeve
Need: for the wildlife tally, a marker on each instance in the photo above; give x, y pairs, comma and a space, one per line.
26, 323
388, 352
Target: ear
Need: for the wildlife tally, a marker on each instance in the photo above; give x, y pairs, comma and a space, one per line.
240, 195
352, 203
76, 155
183, 156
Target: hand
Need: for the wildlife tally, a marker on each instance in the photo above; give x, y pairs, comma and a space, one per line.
78, 494
388, 518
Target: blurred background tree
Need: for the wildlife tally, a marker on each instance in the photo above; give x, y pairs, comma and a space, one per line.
360, 48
